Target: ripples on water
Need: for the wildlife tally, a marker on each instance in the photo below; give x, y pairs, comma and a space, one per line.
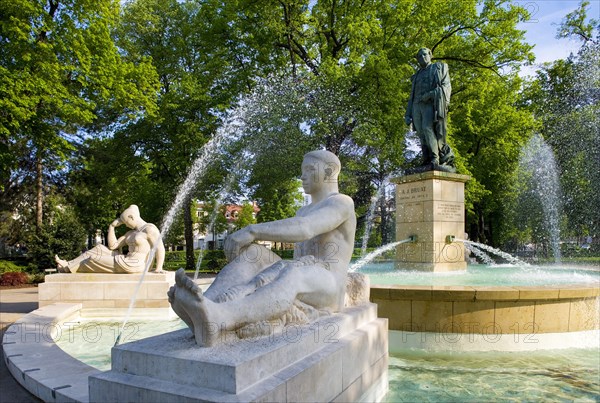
482, 275
558, 375
90, 340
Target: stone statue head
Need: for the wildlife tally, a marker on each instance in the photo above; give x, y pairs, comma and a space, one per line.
319, 167
130, 216
424, 57
328, 162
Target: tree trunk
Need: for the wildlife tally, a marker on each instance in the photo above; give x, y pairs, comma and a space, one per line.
481, 226
188, 233
39, 187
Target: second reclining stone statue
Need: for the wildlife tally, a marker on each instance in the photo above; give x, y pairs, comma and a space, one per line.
140, 240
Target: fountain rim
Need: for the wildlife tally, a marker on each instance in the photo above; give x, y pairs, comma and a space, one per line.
495, 293
500, 318
38, 363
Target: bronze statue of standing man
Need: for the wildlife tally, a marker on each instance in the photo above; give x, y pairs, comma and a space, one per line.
427, 111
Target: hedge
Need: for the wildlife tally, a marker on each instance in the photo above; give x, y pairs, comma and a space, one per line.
212, 261
14, 278
9, 266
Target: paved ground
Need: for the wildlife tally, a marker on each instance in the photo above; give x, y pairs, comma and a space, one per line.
14, 303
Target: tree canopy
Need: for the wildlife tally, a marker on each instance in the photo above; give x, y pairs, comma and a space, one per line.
111, 103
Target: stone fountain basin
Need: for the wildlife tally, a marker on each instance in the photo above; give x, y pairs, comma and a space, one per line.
40, 365
48, 372
472, 318
468, 318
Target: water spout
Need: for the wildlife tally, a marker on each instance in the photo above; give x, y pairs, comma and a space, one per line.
485, 258
538, 169
476, 245
366, 259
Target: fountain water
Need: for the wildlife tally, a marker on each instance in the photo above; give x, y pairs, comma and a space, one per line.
485, 258
411, 151
371, 212
229, 132
224, 192
510, 258
229, 181
201, 163
382, 249
369, 221
538, 170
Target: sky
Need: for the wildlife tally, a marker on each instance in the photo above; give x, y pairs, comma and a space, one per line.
546, 15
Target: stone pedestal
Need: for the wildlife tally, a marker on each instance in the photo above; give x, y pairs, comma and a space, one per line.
431, 205
107, 291
342, 357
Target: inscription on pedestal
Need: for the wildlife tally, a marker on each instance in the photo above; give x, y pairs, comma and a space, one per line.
413, 193
450, 211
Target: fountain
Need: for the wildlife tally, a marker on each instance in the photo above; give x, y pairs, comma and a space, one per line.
367, 258
335, 327
457, 316
479, 246
460, 316
428, 317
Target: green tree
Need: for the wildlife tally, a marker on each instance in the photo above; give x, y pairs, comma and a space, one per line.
62, 234
279, 203
577, 25
59, 71
200, 76
357, 58
565, 100
490, 128
106, 177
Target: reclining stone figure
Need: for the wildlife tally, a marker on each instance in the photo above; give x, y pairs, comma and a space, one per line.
140, 241
257, 286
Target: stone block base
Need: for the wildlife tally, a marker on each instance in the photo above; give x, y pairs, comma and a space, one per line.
431, 207
107, 291
342, 357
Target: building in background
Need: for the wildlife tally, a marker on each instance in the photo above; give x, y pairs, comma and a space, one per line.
214, 235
